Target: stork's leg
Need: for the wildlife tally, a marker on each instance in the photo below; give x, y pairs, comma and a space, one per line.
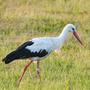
38, 70
24, 70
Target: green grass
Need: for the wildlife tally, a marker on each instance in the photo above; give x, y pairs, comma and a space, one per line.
21, 20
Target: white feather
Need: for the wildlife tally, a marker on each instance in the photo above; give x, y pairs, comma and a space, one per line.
49, 43
41, 44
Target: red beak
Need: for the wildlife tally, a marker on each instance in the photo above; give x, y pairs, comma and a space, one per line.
77, 37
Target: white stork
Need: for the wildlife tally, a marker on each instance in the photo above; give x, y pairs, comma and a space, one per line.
39, 48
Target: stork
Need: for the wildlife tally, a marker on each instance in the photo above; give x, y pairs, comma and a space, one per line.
39, 48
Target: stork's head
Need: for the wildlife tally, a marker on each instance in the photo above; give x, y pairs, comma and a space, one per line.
72, 28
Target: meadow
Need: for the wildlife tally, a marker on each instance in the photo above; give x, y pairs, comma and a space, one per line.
21, 20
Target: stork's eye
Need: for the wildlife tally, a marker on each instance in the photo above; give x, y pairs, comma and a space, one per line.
73, 29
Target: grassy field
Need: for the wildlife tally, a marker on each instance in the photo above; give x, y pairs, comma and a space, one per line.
21, 20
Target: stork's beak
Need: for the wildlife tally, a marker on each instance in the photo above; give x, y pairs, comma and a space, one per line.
77, 37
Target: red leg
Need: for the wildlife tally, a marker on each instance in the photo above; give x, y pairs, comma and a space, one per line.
25, 68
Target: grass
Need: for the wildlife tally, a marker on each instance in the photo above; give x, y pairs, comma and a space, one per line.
24, 19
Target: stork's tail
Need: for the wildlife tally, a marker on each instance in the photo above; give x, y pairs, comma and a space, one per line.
10, 57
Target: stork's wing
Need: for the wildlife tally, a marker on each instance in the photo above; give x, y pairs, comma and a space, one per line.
32, 49
28, 43
40, 45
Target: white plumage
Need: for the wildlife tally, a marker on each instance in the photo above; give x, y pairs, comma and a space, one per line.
47, 43
39, 48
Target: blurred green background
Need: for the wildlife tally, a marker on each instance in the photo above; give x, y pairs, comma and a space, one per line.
21, 20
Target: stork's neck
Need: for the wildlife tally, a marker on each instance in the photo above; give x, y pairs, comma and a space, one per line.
62, 36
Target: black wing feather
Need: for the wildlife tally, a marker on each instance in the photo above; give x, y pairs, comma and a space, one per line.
28, 43
22, 53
